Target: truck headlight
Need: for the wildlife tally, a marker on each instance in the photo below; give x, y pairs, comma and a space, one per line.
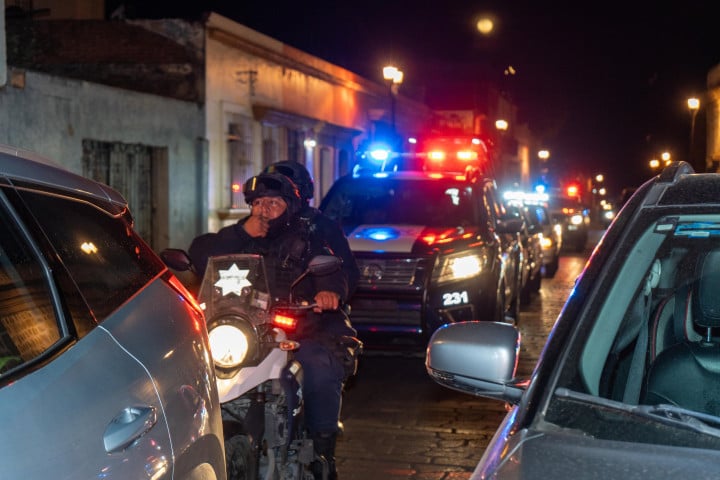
233, 343
459, 266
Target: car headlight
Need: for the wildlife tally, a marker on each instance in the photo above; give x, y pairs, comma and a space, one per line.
576, 219
233, 343
546, 243
460, 266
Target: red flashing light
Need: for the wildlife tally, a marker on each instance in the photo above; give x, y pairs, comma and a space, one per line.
284, 321
436, 155
573, 190
453, 153
467, 155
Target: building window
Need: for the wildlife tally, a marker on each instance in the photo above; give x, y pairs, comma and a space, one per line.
296, 149
239, 143
129, 169
271, 141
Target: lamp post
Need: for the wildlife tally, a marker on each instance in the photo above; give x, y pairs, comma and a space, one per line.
395, 77
694, 105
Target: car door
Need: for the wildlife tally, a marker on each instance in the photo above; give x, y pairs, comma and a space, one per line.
74, 403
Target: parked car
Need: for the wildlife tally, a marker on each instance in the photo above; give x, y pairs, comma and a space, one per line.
628, 384
105, 370
531, 236
551, 240
428, 250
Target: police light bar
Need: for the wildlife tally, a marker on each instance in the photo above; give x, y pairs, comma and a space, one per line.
526, 197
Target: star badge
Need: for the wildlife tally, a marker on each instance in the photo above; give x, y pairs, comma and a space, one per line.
233, 280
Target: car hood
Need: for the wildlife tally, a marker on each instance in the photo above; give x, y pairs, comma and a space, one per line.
560, 455
416, 239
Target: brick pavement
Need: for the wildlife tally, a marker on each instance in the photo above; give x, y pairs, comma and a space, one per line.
399, 424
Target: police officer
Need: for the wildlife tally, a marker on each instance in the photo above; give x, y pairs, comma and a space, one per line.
276, 231
317, 221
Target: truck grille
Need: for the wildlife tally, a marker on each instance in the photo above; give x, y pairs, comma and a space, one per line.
393, 273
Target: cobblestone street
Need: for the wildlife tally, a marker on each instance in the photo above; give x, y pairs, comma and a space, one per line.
399, 424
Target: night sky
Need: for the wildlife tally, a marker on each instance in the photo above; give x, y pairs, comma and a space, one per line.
604, 85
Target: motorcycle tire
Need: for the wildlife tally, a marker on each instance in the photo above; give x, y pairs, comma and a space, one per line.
240, 459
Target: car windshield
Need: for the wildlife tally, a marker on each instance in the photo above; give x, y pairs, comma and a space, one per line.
432, 203
649, 336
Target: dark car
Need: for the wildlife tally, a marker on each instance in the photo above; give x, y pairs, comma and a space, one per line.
628, 383
105, 368
530, 239
428, 250
575, 220
551, 240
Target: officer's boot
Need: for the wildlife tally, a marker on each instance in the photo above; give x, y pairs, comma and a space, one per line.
324, 444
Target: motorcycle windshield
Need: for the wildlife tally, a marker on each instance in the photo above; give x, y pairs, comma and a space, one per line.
234, 283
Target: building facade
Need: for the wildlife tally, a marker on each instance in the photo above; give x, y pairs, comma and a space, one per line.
177, 114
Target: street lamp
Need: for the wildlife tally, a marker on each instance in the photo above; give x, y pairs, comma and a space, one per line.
694, 105
395, 76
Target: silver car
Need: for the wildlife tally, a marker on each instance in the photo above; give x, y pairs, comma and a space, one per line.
104, 364
628, 384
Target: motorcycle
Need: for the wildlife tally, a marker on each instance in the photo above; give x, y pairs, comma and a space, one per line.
259, 382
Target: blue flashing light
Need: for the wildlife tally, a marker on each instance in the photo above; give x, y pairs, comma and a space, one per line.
380, 154
380, 234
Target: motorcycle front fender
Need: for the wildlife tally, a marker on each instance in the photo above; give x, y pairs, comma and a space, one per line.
250, 377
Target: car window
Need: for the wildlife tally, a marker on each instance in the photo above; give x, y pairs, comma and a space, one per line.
108, 262
416, 202
646, 307
28, 324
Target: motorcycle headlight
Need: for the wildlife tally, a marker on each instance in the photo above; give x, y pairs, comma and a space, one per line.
460, 266
232, 343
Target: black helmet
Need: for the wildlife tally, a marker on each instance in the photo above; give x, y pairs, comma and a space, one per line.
273, 185
297, 173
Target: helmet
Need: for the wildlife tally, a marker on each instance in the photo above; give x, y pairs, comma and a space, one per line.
273, 185
297, 173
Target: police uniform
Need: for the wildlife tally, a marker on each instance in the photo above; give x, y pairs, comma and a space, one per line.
290, 244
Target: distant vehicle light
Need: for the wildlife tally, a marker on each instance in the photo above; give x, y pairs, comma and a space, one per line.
467, 155
573, 191
380, 155
576, 219
526, 197
436, 155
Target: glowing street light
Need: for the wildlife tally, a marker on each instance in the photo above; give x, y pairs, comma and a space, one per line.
501, 124
395, 77
694, 105
485, 26
543, 154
